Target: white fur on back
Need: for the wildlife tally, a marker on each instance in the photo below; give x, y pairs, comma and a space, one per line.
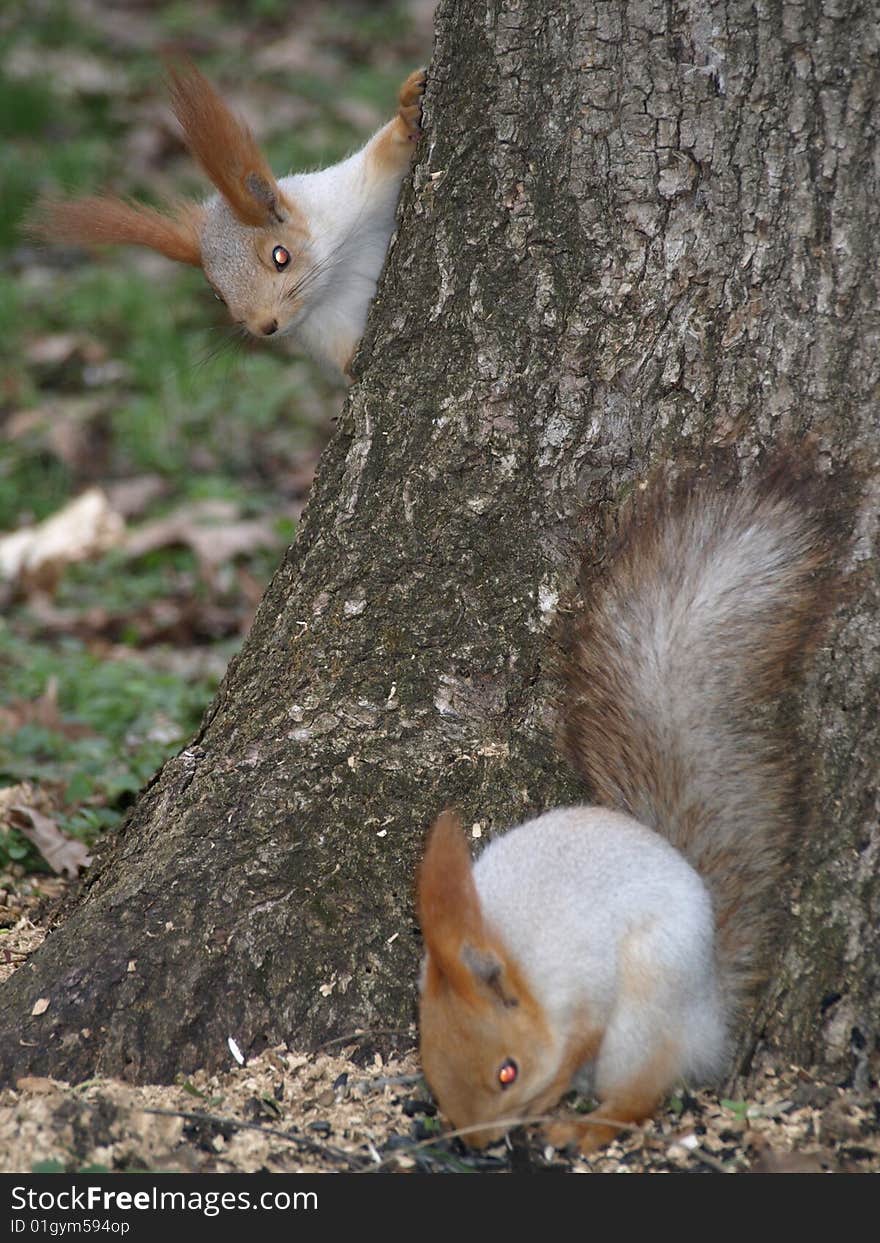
568, 891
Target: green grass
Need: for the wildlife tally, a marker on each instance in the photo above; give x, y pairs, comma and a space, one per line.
175, 395
137, 717
55, 25
177, 398
27, 107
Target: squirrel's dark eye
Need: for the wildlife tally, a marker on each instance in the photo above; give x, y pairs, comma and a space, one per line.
507, 1072
280, 257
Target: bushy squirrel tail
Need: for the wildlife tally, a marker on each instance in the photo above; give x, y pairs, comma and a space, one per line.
676, 661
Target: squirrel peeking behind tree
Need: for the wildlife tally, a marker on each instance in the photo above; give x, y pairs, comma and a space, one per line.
301, 254
614, 947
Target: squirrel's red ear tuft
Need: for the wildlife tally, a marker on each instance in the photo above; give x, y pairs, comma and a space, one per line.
448, 905
460, 951
105, 220
225, 147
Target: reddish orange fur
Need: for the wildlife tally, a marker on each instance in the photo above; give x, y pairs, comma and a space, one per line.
582, 1048
391, 149
466, 1023
633, 1103
477, 1007
636, 1100
106, 220
449, 910
225, 148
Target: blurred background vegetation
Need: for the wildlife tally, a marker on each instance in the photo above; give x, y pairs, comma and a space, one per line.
118, 373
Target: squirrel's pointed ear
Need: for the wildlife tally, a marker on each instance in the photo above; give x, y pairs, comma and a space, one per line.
105, 220
225, 148
447, 901
459, 949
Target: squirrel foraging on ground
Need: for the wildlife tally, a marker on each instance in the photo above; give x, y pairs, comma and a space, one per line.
613, 947
301, 254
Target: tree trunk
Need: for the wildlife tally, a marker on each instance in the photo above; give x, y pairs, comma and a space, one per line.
637, 231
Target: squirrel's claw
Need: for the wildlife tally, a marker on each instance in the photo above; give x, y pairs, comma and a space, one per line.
410, 102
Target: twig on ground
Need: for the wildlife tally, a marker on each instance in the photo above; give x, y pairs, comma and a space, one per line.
299, 1141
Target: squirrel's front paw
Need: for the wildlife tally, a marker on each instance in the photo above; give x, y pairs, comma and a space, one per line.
410, 103
588, 1135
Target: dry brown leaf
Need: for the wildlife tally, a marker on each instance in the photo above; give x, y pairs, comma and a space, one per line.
36, 556
215, 545
63, 854
181, 620
295, 50
251, 588
41, 1006
132, 497
42, 711
772, 1162
37, 1084
60, 347
25, 422
27, 795
210, 528
74, 429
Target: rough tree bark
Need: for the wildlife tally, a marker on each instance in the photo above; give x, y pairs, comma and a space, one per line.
637, 230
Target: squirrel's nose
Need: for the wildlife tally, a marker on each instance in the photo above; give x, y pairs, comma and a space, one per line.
269, 327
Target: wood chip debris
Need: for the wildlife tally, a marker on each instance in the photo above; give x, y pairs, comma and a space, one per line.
290, 1111
349, 1107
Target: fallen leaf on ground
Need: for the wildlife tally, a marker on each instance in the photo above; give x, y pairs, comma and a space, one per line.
71, 71
180, 620
251, 588
41, 1006
63, 854
210, 528
770, 1162
37, 1084
26, 794
35, 556
60, 347
42, 711
74, 429
131, 497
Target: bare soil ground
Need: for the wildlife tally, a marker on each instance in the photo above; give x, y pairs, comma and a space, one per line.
346, 1108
